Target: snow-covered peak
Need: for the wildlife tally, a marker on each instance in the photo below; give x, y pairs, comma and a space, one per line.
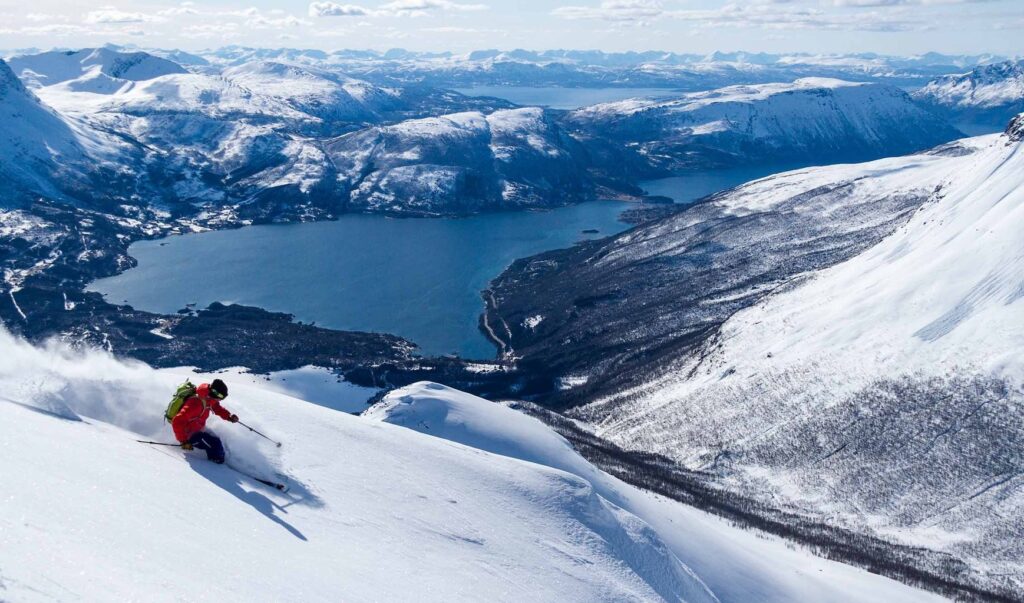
9, 82
746, 94
195, 93
46, 153
983, 87
48, 68
879, 392
319, 92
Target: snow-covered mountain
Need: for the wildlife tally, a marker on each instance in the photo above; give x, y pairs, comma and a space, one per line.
471, 501
50, 155
812, 119
988, 95
462, 162
234, 146
844, 341
106, 65
321, 93
592, 68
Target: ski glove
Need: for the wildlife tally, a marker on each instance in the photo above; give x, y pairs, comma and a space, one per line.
186, 446
233, 418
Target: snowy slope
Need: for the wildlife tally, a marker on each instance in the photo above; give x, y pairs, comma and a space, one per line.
883, 393
376, 512
321, 93
49, 68
811, 119
45, 153
735, 565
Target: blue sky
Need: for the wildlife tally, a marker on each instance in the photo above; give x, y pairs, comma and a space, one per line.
819, 26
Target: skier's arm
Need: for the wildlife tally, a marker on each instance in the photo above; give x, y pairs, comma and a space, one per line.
220, 411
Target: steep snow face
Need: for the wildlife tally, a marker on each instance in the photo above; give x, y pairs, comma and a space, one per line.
470, 161
49, 68
884, 392
811, 119
735, 566
47, 154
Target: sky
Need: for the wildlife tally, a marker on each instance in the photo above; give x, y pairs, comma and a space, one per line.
901, 27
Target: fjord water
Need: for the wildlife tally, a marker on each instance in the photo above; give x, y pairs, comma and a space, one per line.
687, 188
419, 278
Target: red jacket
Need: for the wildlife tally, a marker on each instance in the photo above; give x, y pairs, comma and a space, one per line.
194, 412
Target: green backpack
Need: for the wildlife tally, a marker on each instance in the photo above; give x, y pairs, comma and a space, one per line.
185, 391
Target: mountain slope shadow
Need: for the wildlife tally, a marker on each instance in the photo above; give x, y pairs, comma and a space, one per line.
231, 481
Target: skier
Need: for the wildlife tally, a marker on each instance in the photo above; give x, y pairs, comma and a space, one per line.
190, 421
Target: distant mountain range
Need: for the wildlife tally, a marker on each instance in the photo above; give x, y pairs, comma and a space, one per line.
231, 143
587, 67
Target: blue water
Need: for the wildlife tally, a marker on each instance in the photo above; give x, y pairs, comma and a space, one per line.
564, 98
417, 278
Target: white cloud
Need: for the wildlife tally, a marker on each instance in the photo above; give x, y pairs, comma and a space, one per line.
332, 9
260, 21
52, 29
413, 8
395, 8
876, 3
212, 30
111, 14
41, 17
613, 10
185, 8
765, 14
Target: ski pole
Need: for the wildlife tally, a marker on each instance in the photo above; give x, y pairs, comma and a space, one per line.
157, 443
258, 433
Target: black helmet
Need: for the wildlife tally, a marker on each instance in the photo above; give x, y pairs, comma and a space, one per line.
219, 389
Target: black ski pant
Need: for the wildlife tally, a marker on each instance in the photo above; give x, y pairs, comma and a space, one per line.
205, 440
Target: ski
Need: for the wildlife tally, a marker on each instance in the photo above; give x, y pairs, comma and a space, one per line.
281, 487
265, 482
